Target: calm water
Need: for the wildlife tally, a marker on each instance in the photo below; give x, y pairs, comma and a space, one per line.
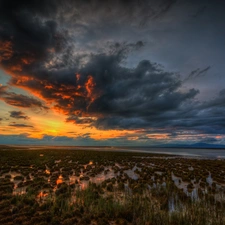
185, 152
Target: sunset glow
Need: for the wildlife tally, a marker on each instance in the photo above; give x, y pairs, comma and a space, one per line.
110, 79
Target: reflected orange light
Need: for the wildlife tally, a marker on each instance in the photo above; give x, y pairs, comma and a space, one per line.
47, 171
59, 180
42, 194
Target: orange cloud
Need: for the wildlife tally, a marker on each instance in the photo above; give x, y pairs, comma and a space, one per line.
158, 136
90, 85
6, 51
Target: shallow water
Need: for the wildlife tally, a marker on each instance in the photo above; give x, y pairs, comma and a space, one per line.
99, 178
183, 152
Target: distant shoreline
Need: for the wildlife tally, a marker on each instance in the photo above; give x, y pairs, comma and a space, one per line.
116, 147
169, 151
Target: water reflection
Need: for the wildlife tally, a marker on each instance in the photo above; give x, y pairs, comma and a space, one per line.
42, 194
47, 171
59, 180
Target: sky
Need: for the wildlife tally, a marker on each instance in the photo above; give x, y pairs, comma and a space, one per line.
113, 72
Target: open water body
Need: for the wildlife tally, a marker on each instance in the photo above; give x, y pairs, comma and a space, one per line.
182, 152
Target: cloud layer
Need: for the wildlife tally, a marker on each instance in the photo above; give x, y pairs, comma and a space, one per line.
18, 115
61, 54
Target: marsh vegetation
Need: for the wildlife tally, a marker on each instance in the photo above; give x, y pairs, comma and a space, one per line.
92, 187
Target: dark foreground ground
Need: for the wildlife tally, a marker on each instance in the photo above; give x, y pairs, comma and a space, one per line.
66, 187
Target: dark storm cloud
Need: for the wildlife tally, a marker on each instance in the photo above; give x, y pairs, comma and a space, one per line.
209, 115
20, 100
198, 73
27, 35
31, 33
215, 103
106, 89
41, 7
18, 115
37, 50
164, 8
120, 97
132, 11
20, 125
77, 120
200, 11
133, 97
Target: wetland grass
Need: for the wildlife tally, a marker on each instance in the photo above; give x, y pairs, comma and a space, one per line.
80, 187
